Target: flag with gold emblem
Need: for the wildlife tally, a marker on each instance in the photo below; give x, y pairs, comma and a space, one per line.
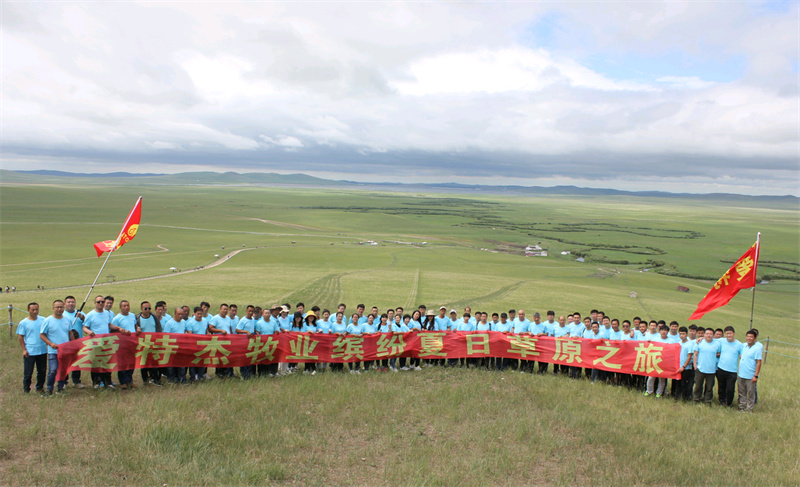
126, 235
741, 276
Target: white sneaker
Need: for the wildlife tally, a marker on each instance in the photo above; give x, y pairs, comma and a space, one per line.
358, 372
313, 372
417, 368
394, 369
404, 368
352, 372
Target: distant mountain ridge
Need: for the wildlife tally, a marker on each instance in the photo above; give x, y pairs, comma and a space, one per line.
227, 178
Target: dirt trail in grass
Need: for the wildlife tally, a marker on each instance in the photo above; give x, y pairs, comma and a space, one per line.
217, 262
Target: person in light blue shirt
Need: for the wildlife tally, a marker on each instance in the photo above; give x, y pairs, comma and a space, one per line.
284, 320
247, 323
96, 322
442, 322
730, 350
125, 323
369, 327
706, 357
580, 329
605, 328
749, 368
339, 327
593, 333
551, 323
232, 310
454, 321
536, 327
495, 321
54, 332
522, 324
356, 329
267, 325
77, 324
663, 330
176, 325
503, 326
108, 304
220, 324
324, 325
627, 334
197, 325
34, 350
686, 383
483, 324
464, 324
148, 322
652, 334
561, 330
674, 335
615, 333
415, 322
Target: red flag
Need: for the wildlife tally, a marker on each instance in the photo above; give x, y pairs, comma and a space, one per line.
128, 231
741, 276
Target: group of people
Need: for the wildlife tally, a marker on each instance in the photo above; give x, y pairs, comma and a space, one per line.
707, 355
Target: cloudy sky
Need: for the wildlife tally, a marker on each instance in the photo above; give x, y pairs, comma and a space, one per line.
676, 96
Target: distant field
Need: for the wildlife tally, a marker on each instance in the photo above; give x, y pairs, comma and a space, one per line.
302, 245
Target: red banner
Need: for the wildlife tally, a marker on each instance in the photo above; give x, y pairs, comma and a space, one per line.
114, 352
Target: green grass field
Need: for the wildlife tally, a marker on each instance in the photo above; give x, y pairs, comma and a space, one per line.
434, 427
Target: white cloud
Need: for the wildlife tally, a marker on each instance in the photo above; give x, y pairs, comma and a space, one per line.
389, 85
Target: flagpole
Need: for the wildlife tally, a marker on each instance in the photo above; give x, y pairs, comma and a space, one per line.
116, 242
755, 281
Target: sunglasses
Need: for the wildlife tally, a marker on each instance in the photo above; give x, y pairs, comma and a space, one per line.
146, 309
98, 302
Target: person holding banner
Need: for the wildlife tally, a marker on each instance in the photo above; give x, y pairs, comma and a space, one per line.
97, 323
54, 332
197, 325
148, 322
125, 321
76, 318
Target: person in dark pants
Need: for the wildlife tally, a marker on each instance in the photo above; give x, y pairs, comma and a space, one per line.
706, 356
76, 319
731, 349
686, 383
34, 350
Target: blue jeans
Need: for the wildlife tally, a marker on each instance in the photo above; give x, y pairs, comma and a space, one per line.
52, 365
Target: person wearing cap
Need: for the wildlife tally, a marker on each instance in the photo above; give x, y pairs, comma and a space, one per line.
284, 320
441, 321
310, 326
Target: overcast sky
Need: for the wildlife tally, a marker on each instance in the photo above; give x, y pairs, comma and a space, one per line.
675, 96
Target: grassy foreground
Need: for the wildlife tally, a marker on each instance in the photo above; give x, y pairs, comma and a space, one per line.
433, 427
430, 427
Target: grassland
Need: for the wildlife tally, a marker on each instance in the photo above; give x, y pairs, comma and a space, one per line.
435, 427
